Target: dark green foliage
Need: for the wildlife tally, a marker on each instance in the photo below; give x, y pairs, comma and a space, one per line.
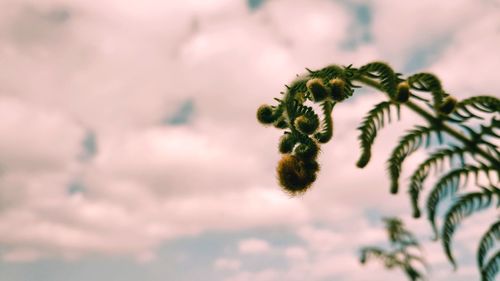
449, 185
465, 108
464, 207
491, 269
487, 243
399, 256
372, 122
435, 160
428, 82
408, 144
326, 132
470, 149
384, 73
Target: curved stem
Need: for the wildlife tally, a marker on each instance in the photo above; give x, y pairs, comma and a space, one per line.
433, 120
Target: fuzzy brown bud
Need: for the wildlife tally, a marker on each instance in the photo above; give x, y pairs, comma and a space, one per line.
337, 89
448, 105
317, 89
307, 125
294, 175
287, 142
403, 92
265, 114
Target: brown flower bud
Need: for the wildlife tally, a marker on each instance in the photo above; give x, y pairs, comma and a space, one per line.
337, 89
317, 89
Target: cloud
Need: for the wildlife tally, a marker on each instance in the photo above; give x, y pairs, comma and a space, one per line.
227, 264
118, 70
253, 246
399, 31
295, 253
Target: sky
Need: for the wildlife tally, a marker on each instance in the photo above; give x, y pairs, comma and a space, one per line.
130, 148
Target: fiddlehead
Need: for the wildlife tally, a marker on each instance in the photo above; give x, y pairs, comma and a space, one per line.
333, 84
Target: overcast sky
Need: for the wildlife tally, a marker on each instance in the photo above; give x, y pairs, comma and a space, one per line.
129, 147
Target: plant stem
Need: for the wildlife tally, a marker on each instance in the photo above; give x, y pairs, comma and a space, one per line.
433, 120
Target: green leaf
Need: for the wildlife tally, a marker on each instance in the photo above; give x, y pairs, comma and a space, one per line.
467, 205
383, 72
372, 122
408, 144
487, 243
428, 82
448, 185
465, 108
435, 160
491, 269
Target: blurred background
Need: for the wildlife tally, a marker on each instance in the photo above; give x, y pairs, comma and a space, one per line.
129, 147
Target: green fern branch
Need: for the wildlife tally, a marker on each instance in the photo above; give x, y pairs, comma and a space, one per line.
465, 108
408, 144
449, 185
399, 255
382, 72
491, 269
464, 207
435, 160
326, 132
487, 243
429, 83
373, 121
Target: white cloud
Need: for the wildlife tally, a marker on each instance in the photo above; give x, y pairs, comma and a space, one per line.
227, 264
295, 253
399, 29
253, 246
119, 69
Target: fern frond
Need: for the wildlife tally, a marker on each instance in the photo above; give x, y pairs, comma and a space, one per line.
408, 144
383, 72
326, 132
478, 137
491, 269
412, 273
466, 205
388, 259
448, 185
428, 82
487, 242
298, 85
303, 110
435, 160
485, 104
372, 122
